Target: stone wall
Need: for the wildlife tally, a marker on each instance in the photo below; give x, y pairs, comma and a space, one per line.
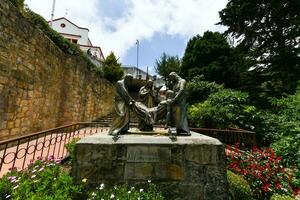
40, 86
189, 168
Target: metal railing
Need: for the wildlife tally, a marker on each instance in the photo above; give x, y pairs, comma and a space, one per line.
18, 153
229, 136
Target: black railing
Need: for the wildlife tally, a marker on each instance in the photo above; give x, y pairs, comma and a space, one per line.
229, 136
16, 154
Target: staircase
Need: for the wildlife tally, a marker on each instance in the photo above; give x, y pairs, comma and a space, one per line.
106, 120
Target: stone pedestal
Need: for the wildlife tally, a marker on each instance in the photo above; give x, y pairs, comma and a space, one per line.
191, 167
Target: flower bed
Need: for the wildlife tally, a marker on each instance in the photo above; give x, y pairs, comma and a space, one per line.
263, 170
48, 179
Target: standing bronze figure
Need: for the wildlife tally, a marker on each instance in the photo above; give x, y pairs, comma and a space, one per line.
178, 105
122, 103
148, 97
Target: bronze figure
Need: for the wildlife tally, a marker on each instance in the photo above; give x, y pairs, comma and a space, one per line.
172, 108
178, 105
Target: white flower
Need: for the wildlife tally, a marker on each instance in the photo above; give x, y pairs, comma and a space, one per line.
129, 192
101, 186
149, 181
8, 196
15, 187
132, 188
141, 190
94, 194
33, 176
112, 196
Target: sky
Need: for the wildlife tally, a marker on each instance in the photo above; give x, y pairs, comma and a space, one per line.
159, 25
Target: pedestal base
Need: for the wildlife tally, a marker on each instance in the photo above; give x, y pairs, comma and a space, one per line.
189, 168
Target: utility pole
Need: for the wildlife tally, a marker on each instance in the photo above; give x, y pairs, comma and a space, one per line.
137, 57
52, 13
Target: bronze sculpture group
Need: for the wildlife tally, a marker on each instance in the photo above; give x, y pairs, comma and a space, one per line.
152, 107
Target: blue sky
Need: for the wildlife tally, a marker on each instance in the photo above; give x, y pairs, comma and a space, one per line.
159, 25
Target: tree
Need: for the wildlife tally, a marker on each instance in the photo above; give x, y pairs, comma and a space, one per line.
268, 30
167, 64
112, 68
210, 55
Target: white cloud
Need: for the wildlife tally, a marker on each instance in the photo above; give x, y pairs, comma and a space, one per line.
142, 19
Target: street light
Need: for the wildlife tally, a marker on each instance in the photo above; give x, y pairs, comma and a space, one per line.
137, 57
52, 13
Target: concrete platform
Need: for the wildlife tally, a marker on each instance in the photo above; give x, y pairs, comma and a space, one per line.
192, 167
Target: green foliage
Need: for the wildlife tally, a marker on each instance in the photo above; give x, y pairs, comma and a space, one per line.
287, 131
212, 57
268, 32
46, 179
18, 3
5, 188
289, 148
239, 189
223, 109
281, 197
199, 90
112, 68
167, 64
126, 192
71, 148
42, 180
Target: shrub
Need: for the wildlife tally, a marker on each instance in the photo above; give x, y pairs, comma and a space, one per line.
42, 180
281, 197
18, 3
262, 169
47, 179
199, 90
289, 148
71, 148
223, 109
239, 189
112, 68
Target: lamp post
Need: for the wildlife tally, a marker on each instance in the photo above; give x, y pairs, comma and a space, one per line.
137, 57
52, 13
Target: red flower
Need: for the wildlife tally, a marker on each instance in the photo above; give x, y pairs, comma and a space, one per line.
266, 187
278, 185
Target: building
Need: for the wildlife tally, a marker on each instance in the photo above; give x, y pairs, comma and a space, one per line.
142, 75
136, 72
80, 36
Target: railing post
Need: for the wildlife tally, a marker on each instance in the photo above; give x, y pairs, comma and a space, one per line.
3, 157
16, 155
25, 153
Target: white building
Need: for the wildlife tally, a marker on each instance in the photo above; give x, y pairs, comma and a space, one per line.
141, 74
80, 36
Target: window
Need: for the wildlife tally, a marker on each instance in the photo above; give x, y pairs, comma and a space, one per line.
74, 41
62, 25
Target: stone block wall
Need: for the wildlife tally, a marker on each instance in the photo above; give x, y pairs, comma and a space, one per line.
189, 168
40, 86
